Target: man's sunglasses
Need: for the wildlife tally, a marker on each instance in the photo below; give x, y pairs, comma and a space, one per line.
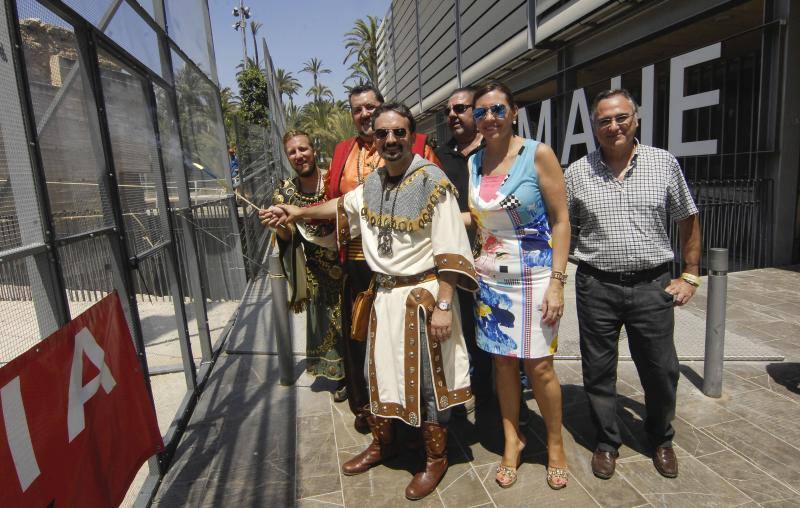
457, 108
384, 133
498, 111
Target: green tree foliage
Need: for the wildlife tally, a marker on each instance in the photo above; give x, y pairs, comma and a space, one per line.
255, 26
287, 84
315, 68
253, 96
361, 43
230, 109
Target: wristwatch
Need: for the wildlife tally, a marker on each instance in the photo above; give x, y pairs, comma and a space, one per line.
443, 305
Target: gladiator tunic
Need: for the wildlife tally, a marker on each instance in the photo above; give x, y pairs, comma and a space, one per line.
427, 235
311, 265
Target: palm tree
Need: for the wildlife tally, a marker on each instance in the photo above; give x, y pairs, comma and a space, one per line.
362, 43
287, 84
318, 92
245, 65
230, 107
293, 116
315, 68
255, 26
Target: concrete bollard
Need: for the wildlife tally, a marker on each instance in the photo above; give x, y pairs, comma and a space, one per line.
715, 321
280, 319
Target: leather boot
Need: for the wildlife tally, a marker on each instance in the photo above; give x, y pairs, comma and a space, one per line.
381, 448
425, 482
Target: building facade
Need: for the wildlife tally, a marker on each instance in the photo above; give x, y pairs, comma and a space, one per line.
714, 82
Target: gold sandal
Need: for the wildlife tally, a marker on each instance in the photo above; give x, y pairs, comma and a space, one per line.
506, 476
559, 473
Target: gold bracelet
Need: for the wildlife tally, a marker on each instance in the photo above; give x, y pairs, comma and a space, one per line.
694, 280
559, 276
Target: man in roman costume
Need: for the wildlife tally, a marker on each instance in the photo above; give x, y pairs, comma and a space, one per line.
417, 367
310, 261
353, 160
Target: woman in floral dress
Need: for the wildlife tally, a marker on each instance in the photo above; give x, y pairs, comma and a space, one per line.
518, 203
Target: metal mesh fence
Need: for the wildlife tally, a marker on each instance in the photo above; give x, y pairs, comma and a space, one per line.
186, 22
201, 129
19, 214
23, 318
131, 32
171, 155
88, 272
70, 149
135, 154
108, 148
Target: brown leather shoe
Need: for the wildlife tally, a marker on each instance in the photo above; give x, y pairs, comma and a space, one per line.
665, 461
425, 482
381, 448
604, 463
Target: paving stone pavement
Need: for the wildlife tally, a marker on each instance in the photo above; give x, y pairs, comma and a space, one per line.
252, 442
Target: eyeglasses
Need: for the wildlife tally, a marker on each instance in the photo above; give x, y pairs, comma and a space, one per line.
457, 108
498, 111
621, 120
384, 133
366, 107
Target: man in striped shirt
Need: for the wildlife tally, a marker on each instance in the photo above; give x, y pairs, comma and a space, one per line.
622, 197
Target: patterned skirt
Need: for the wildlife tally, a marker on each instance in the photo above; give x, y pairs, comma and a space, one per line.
508, 316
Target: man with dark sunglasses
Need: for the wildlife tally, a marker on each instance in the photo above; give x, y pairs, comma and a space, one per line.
414, 239
622, 197
354, 159
465, 141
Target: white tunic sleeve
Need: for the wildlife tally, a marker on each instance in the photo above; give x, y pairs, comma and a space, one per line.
451, 249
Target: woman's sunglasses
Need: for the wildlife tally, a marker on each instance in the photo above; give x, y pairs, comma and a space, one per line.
498, 111
384, 133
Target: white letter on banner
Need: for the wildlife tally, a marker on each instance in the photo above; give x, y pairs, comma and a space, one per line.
79, 394
18, 434
586, 137
524, 124
678, 103
543, 127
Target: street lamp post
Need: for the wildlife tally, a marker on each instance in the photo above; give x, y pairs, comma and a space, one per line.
243, 13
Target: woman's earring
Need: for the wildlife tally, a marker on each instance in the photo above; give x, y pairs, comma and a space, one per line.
514, 122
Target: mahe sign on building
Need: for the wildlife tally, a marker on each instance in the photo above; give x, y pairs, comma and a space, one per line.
77, 420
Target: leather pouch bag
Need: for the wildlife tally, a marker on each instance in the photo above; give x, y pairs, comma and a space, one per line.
362, 309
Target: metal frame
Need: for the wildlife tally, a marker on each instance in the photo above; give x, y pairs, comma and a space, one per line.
88, 39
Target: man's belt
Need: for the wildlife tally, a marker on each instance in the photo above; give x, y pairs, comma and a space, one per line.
624, 278
395, 281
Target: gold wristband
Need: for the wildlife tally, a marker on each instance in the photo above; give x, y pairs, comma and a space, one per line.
694, 280
559, 276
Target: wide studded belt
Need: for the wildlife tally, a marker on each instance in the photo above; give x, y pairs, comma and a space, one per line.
394, 281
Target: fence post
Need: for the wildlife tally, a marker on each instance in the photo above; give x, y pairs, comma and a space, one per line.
280, 319
715, 321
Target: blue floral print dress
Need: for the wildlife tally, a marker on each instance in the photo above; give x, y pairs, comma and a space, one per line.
515, 262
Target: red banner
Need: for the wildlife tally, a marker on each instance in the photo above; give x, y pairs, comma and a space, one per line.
77, 421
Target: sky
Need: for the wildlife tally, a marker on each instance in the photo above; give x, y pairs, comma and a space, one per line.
295, 30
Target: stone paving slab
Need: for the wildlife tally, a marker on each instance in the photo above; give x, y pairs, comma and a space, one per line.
255, 314
252, 442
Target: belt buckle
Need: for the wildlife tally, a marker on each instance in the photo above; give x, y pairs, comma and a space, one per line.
386, 281
626, 276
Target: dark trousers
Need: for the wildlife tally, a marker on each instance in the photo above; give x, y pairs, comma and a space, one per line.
357, 279
647, 312
480, 360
